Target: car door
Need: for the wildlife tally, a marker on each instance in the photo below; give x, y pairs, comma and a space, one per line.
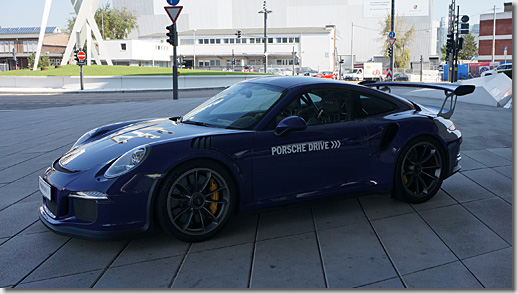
329, 154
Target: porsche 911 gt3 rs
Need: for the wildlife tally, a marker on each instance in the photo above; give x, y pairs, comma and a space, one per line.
259, 144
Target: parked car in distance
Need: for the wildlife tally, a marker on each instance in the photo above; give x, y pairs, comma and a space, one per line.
497, 69
326, 75
401, 77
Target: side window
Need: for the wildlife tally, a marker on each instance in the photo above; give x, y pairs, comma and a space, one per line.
319, 106
371, 105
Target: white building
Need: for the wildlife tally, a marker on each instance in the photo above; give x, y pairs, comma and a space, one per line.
139, 52
358, 19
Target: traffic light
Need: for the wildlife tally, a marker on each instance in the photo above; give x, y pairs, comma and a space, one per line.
390, 51
460, 44
233, 61
264, 59
238, 34
464, 26
450, 41
172, 36
75, 55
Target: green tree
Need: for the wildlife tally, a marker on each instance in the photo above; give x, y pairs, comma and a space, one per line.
113, 23
44, 60
469, 47
404, 36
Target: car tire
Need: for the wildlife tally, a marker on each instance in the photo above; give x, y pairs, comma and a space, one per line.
196, 200
419, 170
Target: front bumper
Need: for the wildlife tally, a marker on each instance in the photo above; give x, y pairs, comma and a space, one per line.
125, 212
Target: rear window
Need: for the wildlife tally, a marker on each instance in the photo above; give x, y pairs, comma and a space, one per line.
374, 106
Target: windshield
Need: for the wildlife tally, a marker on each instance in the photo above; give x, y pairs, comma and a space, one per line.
353, 71
241, 106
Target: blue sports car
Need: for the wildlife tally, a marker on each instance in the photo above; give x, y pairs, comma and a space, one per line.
259, 144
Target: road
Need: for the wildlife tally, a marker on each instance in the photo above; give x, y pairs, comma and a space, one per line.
27, 102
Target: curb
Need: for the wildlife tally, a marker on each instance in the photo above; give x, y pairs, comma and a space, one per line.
12, 91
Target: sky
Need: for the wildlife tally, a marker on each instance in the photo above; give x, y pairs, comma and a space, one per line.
16, 14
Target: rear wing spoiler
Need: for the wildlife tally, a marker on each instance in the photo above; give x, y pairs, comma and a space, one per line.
451, 92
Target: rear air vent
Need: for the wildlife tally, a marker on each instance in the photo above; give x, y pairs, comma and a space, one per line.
200, 143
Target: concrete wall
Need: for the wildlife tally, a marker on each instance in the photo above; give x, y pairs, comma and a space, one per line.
123, 82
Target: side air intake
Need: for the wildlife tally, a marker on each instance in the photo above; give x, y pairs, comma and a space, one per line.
201, 143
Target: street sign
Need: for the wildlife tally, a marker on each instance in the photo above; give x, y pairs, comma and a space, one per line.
173, 2
392, 41
473, 58
389, 74
392, 35
173, 12
81, 55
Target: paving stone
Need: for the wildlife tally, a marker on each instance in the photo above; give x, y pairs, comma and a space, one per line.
150, 274
83, 280
451, 275
505, 170
17, 217
382, 206
463, 189
439, 200
336, 213
488, 158
394, 283
155, 247
506, 153
353, 256
479, 143
493, 270
21, 254
288, 262
240, 230
285, 222
493, 181
77, 256
15, 191
496, 214
2, 240
468, 163
465, 235
37, 227
227, 267
411, 244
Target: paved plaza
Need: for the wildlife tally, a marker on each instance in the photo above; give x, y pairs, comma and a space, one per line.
462, 238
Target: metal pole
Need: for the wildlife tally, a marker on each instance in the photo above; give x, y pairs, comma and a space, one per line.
392, 9
233, 60
455, 51
81, 76
194, 49
421, 71
265, 41
494, 32
352, 34
293, 60
175, 65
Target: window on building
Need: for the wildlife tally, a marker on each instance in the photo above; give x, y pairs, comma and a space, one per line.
297, 40
243, 40
259, 40
225, 41
291, 39
232, 41
205, 41
285, 40
252, 40
238, 41
278, 40
123, 46
270, 40
212, 41
218, 41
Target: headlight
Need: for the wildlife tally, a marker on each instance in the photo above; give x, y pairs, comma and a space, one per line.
127, 162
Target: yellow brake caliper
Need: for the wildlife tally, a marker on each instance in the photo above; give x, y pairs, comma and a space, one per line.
405, 179
215, 196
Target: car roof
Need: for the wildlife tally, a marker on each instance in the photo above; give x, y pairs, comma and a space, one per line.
294, 81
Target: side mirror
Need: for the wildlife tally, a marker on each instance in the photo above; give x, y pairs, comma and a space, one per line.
290, 124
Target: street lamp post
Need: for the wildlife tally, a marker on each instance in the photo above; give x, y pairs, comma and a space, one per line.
265, 12
194, 50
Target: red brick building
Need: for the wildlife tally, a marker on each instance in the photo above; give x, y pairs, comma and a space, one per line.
25, 42
503, 35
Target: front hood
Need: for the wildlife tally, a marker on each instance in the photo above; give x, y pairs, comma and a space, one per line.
107, 148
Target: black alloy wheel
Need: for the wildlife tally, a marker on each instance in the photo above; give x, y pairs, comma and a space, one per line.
196, 201
419, 171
